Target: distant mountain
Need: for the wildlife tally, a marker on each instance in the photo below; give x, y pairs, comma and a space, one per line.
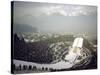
24, 28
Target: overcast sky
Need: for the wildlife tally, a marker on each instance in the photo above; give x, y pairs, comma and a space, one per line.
48, 17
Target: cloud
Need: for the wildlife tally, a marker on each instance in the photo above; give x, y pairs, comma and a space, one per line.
66, 10
40, 9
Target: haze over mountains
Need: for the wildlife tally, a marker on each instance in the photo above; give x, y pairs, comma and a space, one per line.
21, 28
55, 17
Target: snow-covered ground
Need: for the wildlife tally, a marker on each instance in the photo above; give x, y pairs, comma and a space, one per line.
59, 65
69, 61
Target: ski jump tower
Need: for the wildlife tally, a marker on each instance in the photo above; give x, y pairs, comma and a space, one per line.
75, 50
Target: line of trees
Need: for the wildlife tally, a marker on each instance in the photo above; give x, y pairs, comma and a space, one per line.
32, 68
38, 52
